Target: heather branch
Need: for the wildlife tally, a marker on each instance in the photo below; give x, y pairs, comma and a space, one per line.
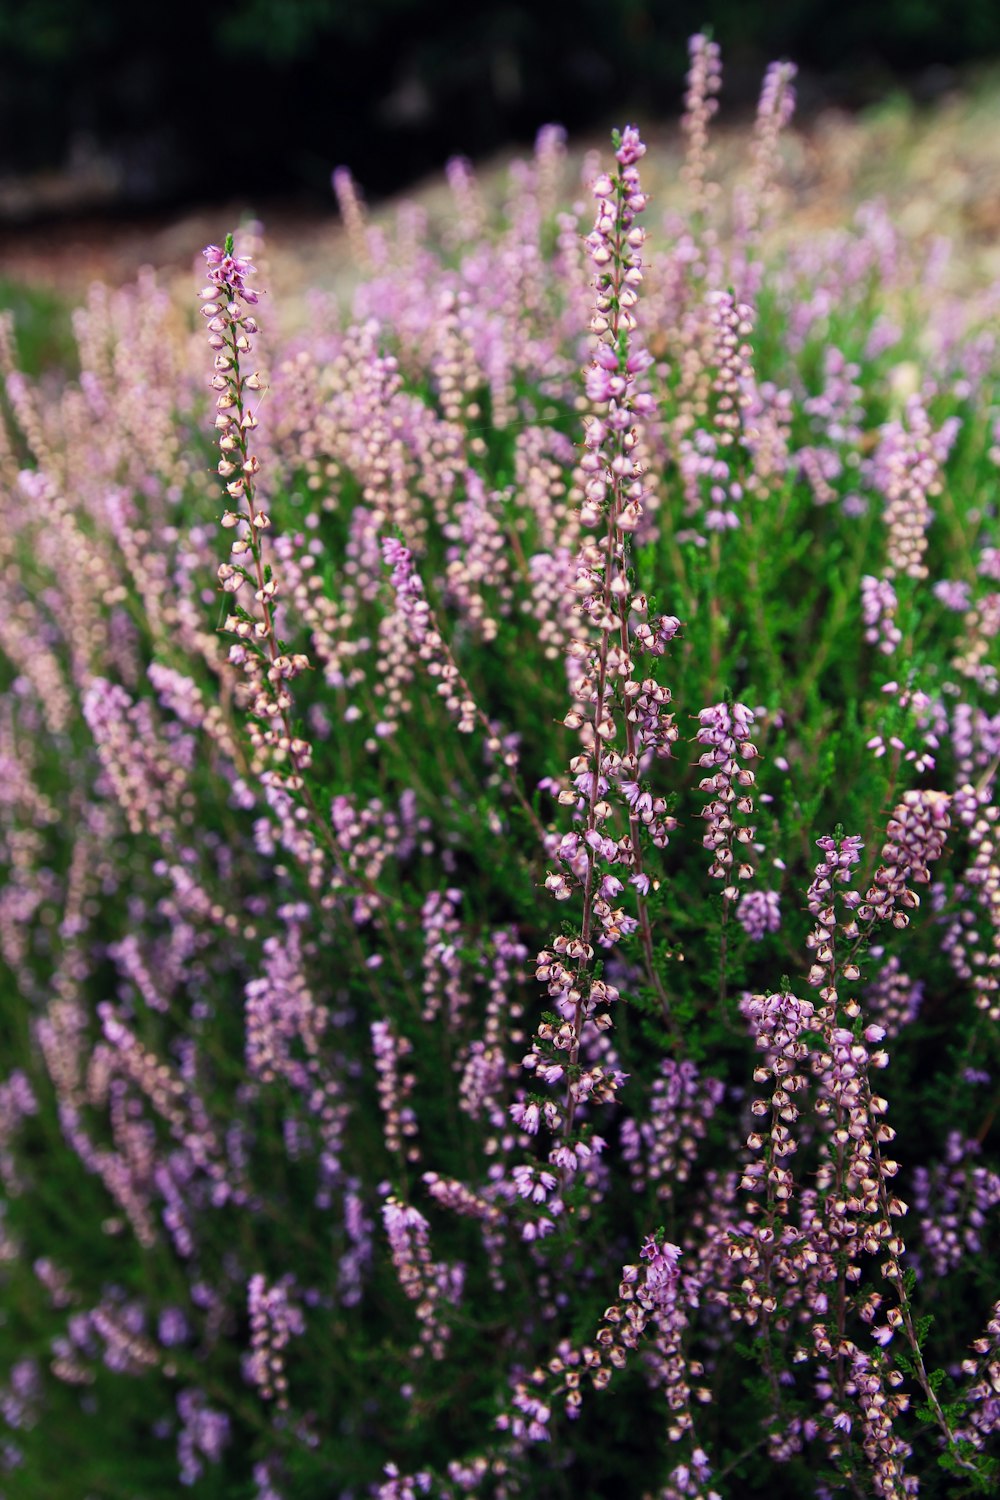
267, 668
430, 645
614, 488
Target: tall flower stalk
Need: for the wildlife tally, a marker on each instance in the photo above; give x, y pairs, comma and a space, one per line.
613, 694
281, 755
267, 669
612, 701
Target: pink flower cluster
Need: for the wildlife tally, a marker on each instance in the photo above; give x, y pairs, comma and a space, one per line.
725, 732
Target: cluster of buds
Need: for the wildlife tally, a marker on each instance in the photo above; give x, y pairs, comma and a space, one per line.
274, 1321
759, 913
704, 81
726, 735
661, 1149
774, 112
907, 470
418, 621
731, 324
613, 241
973, 945
575, 1005
983, 1393
267, 668
648, 1300
608, 687
858, 1132
394, 1088
581, 1000
916, 835
878, 612
127, 1348
428, 1283
778, 1021
840, 858
528, 1421
203, 1434
878, 1409
861, 1213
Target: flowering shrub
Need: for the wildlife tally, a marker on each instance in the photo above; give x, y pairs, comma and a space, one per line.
502, 939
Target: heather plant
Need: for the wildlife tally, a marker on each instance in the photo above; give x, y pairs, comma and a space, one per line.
501, 927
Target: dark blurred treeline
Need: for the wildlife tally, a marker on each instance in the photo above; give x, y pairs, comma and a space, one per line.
180, 100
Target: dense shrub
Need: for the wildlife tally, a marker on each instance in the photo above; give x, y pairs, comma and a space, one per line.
501, 997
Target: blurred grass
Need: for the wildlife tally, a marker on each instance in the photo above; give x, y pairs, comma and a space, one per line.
43, 327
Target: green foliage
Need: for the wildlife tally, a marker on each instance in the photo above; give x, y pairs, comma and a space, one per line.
196, 966
43, 328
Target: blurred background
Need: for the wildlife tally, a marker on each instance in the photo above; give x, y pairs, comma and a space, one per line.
124, 125
126, 106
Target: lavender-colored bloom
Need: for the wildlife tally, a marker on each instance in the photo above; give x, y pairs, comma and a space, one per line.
173, 1327
355, 1261
228, 272
20, 1400
264, 1480
275, 1319
726, 733
953, 594
906, 469
700, 105
891, 995
394, 1085
661, 1265
758, 913
878, 610
432, 1285
204, 1434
